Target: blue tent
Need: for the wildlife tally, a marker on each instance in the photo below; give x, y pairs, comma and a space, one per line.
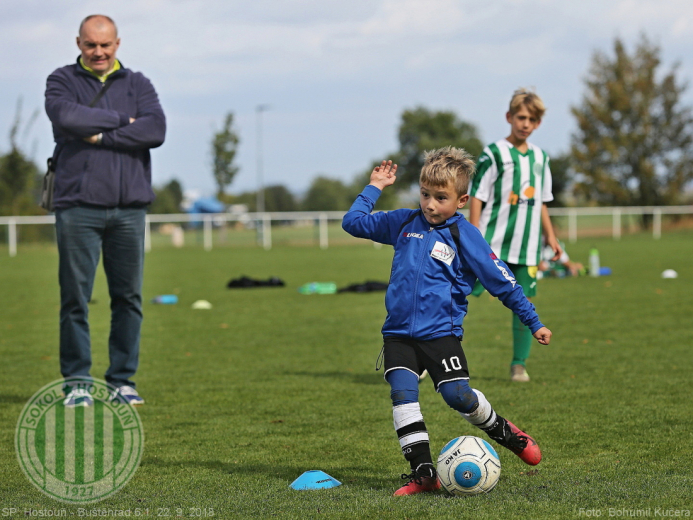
207, 205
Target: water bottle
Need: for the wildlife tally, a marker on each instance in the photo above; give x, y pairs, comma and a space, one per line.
318, 288
326, 288
594, 262
166, 299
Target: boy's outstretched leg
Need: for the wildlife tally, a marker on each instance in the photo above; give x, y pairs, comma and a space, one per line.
412, 433
475, 408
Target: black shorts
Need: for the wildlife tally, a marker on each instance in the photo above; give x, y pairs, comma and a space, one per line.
443, 358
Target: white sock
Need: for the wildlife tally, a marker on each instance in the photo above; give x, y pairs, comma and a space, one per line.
483, 416
409, 415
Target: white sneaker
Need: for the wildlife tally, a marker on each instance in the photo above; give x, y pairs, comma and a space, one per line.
78, 397
127, 394
519, 374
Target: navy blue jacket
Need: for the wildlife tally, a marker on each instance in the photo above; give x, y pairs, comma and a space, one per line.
118, 171
431, 276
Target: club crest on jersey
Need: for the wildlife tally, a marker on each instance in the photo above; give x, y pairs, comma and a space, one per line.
412, 235
503, 271
443, 252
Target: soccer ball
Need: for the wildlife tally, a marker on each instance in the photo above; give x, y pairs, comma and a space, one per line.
468, 466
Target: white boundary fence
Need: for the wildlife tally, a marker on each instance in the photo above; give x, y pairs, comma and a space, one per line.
616, 214
263, 222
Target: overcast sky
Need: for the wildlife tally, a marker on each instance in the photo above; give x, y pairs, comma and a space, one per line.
336, 75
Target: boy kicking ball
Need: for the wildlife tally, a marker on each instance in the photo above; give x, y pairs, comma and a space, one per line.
438, 257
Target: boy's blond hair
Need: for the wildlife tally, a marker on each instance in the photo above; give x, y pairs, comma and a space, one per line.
447, 165
528, 98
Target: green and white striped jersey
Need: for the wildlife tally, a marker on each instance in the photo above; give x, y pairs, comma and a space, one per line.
513, 186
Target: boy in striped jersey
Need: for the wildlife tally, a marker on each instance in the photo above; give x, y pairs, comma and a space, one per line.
508, 204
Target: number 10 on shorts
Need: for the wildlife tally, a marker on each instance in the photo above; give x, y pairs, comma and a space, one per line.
454, 363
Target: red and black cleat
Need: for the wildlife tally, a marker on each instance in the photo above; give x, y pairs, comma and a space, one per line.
422, 480
522, 445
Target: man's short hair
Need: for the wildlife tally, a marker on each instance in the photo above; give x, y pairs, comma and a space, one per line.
527, 98
447, 165
97, 16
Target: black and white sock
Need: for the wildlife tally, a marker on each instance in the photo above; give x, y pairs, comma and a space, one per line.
412, 433
485, 418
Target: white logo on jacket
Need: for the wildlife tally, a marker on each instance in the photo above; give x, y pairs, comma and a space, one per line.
505, 272
443, 252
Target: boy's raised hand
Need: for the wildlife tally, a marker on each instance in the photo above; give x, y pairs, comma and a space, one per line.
384, 175
543, 336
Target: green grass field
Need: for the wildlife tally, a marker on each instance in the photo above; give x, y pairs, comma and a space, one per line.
243, 398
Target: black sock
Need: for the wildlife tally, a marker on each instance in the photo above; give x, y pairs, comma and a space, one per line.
503, 435
498, 430
427, 469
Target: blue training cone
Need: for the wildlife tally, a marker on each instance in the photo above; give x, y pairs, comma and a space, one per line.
314, 479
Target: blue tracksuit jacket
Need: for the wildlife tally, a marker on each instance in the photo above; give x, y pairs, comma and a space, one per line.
431, 277
117, 172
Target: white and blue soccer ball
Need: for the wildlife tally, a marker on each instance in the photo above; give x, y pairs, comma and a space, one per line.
468, 466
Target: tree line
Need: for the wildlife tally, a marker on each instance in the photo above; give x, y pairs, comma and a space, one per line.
633, 145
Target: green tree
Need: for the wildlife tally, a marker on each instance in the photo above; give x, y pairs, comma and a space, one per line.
327, 194
634, 143
279, 198
18, 175
421, 130
224, 148
168, 198
249, 198
561, 176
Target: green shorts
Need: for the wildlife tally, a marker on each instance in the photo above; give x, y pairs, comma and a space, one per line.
526, 276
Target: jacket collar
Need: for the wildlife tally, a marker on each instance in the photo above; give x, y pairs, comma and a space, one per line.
79, 68
449, 222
